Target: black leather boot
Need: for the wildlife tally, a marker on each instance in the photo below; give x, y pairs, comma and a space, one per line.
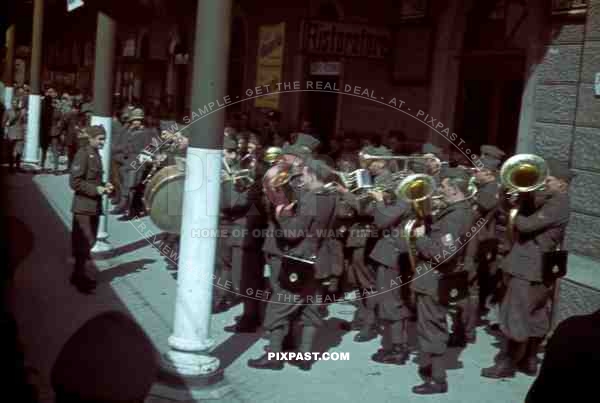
308, 335
529, 364
366, 333
264, 362
431, 387
434, 377
276, 337
506, 365
398, 355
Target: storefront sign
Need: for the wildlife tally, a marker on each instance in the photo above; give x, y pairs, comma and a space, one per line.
332, 38
325, 68
269, 62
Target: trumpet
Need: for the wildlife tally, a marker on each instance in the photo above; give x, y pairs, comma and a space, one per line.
366, 158
522, 174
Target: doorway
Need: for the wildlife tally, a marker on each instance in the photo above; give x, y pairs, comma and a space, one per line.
321, 106
489, 101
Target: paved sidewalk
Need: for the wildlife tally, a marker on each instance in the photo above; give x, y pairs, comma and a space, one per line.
48, 310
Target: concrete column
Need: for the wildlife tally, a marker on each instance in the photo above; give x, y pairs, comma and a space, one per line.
104, 66
188, 358
31, 159
9, 66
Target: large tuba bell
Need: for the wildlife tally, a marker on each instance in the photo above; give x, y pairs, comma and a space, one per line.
278, 183
522, 174
416, 189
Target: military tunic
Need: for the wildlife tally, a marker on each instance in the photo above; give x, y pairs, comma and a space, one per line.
303, 235
126, 151
86, 176
523, 311
242, 221
439, 254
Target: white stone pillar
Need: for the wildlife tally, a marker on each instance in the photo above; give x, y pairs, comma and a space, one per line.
188, 358
31, 159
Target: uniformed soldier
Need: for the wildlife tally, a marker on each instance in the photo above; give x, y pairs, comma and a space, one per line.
243, 218
524, 319
361, 240
127, 152
86, 181
391, 299
108, 360
478, 262
302, 231
432, 166
224, 298
441, 249
491, 151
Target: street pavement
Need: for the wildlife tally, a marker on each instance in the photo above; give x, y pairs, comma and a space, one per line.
49, 310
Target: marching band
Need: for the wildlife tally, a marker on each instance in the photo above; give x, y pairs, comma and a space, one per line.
436, 243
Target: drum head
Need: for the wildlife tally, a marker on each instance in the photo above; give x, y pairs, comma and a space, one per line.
164, 199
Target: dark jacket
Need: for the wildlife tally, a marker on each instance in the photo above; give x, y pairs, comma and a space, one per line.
242, 213
309, 233
389, 219
129, 145
86, 175
539, 232
443, 247
485, 206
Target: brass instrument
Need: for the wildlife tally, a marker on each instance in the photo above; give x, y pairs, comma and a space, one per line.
278, 183
417, 190
272, 155
366, 157
242, 177
522, 174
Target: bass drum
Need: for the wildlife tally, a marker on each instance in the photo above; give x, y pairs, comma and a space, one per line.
164, 198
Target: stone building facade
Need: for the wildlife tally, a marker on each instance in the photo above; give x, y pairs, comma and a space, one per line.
504, 72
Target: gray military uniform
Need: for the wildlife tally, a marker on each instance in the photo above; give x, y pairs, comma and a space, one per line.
523, 312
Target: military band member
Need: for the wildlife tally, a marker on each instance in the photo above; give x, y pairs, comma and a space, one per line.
303, 229
481, 273
243, 216
491, 151
224, 298
361, 239
391, 299
86, 181
441, 247
126, 152
524, 319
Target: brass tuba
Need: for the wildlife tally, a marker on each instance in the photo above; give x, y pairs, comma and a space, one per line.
522, 174
416, 189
